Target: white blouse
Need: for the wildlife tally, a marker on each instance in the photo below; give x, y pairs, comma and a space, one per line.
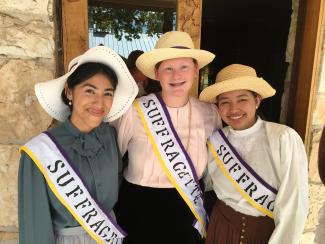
277, 154
144, 168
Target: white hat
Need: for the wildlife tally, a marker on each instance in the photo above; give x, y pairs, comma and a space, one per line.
172, 44
48, 93
236, 77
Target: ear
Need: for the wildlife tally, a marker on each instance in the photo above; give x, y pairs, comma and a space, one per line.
258, 101
156, 74
196, 71
68, 92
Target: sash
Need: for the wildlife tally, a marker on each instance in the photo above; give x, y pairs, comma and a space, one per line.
172, 156
68, 186
246, 181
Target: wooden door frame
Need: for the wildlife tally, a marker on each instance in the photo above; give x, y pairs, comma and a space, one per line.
305, 65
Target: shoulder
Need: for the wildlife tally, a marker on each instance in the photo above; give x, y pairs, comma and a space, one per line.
204, 107
105, 129
281, 132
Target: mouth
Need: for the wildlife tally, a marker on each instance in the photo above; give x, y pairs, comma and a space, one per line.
96, 112
236, 117
177, 84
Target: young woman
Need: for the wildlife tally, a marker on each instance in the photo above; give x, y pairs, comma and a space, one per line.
68, 176
165, 135
258, 168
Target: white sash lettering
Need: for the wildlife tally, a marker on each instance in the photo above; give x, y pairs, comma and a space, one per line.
246, 181
71, 191
172, 155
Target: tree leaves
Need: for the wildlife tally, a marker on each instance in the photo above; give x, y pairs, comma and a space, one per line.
129, 23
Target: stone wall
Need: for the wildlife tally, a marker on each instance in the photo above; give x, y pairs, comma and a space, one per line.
26, 56
315, 227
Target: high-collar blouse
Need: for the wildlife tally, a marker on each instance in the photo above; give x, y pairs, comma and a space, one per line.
95, 155
277, 154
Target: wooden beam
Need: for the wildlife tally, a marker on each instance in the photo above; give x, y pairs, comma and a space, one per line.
141, 5
189, 15
74, 29
308, 64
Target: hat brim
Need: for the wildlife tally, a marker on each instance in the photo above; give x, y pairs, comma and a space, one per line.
147, 61
255, 84
49, 93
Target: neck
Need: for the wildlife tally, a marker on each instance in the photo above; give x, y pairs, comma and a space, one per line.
174, 102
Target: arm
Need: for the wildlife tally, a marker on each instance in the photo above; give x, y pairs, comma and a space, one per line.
291, 205
35, 223
124, 130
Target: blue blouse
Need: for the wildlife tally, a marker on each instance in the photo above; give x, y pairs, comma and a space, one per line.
95, 155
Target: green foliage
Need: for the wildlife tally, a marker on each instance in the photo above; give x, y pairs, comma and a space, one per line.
131, 23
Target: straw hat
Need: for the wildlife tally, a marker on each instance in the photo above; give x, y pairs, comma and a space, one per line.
173, 44
236, 77
48, 93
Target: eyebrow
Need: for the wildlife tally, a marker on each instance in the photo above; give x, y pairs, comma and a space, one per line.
87, 84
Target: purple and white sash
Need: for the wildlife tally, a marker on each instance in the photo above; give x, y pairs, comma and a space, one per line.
69, 188
246, 181
171, 155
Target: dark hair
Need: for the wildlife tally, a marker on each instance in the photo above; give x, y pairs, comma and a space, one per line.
159, 63
86, 71
132, 58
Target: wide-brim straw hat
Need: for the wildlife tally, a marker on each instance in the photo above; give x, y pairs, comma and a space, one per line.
236, 77
48, 93
173, 44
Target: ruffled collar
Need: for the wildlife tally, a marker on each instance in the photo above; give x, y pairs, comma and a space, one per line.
86, 144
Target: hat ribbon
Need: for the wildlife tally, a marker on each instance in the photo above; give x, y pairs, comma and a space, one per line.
180, 47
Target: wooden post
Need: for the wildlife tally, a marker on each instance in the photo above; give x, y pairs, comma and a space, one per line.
189, 15
74, 29
307, 63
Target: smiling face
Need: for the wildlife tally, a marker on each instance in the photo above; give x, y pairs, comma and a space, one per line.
176, 76
238, 108
91, 100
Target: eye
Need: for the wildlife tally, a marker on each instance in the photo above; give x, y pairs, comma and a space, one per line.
184, 67
223, 103
90, 91
242, 100
109, 94
168, 69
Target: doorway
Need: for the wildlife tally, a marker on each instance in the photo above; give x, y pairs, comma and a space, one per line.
253, 33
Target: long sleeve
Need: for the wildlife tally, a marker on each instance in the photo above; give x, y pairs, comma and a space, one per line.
124, 129
291, 205
35, 224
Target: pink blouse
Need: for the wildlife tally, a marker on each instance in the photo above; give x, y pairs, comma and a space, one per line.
144, 168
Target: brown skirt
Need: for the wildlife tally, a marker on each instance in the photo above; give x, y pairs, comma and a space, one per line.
228, 227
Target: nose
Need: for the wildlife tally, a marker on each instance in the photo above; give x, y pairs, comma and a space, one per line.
99, 100
176, 74
233, 107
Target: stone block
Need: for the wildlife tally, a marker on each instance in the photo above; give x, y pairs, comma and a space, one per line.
27, 10
21, 116
9, 158
307, 238
30, 39
316, 201
319, 111
8, 238
313, 158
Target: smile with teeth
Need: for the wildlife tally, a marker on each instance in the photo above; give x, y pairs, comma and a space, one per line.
177, 83
234, 117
